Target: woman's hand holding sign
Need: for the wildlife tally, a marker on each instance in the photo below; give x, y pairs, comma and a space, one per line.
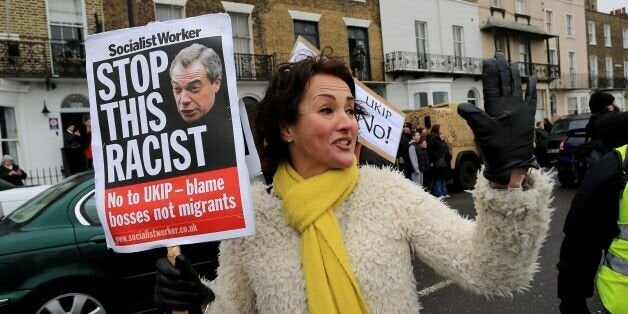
179, 287
505, 131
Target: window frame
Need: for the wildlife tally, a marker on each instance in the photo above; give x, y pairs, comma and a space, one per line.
569, 26
171, 6
591, 33
520, 7
418, 23
459, 42
549, 21
608, 41
313, 23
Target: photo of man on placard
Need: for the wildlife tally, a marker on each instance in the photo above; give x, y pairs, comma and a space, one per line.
196, 75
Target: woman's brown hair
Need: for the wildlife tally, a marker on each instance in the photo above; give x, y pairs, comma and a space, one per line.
280, 104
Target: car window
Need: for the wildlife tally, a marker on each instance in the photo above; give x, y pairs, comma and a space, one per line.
33, 207
578, 124
88, 210
563, 125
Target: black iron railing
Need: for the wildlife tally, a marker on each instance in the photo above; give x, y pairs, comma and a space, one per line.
600, 82
407, 61
570, 80
542, 71
44, 57
254, 67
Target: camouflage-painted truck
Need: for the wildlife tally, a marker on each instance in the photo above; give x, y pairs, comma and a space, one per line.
466, 159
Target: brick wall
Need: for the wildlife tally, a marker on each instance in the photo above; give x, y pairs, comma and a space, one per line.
618, 23
27, 18
273, 28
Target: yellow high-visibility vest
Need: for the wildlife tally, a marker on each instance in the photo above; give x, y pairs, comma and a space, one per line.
612, 278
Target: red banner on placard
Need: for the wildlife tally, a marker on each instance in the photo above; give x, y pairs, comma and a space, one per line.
189, 205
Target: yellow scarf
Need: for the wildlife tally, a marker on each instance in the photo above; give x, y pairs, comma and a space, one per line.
309, 206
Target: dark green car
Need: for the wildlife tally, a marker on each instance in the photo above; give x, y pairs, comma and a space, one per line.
53, 258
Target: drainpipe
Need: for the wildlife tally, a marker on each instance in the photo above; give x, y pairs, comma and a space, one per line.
129, 8
7, 11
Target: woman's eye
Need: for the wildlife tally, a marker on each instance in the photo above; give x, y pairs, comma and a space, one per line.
351, 112
326, 110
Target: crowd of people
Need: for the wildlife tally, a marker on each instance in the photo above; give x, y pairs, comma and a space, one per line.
424, 157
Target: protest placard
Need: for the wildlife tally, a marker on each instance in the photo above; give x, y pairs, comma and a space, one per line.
380, 129
167, 136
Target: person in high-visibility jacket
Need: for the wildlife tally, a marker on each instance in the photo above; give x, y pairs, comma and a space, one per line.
591, 227
612, 278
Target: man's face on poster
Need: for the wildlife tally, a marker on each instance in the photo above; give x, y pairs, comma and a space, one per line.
193, 92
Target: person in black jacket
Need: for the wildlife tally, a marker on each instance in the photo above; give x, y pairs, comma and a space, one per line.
591, 223
440, 157
11, 172
403, 159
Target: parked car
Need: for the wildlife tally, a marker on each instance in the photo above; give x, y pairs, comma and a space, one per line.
569, 173
12, 198
559, 133
53, 258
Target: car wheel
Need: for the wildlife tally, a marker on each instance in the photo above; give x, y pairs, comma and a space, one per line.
75, 301
467, 174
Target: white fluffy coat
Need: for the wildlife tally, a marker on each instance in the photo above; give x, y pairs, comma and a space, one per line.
384, 221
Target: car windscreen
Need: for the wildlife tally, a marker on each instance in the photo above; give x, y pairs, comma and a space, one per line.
33, 207
564, 125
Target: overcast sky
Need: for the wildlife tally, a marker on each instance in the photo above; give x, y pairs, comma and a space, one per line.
607, 5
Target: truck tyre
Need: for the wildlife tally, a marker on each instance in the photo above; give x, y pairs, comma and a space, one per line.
467, 174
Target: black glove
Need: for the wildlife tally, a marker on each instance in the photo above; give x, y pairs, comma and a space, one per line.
505, 132
180, 288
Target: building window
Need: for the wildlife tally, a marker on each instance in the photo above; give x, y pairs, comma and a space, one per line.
523, 50
360, 52
8, 133
420, 100
609, 72
241, 32
307, 29
569, 22
520, 6
66, 34
458, 36
420, 33
549, 21
500, 43
472, 97
593, 71
584, 104
572, 105
571, 62
553, 106
626, 38
553, 57
165, 12
592, 33
496, 3
626, 71
440, 97
607, 35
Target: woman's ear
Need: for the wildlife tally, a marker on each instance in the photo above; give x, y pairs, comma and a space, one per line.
286, 133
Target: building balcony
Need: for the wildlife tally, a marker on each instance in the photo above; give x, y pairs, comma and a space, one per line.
544, 72
43, 57
254, 67
31, 57
571, 81
599, 82
410, 62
